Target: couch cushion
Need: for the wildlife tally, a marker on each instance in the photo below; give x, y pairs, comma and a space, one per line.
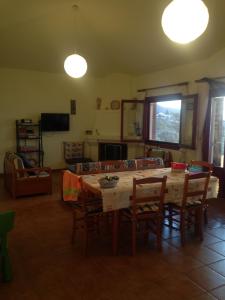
89, 167
18, 164
130, 164
26, 162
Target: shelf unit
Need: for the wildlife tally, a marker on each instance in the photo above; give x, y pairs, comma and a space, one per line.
29, 142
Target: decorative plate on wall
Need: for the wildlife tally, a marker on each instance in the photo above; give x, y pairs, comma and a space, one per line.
115, 104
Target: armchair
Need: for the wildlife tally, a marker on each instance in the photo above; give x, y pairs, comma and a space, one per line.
20, 181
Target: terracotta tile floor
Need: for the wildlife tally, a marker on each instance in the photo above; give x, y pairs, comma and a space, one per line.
46, 266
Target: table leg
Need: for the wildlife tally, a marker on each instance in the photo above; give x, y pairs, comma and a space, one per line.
115, 220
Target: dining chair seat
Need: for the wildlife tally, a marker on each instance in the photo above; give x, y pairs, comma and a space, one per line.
190, 203
94, 210
143, 209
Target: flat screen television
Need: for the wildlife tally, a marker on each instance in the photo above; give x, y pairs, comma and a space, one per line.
55, 122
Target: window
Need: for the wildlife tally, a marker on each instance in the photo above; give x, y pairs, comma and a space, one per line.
164, 121
167, 121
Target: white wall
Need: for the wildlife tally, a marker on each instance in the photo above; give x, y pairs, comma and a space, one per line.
25, 94
211, 67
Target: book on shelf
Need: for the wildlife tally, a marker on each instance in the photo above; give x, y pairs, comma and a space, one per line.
28, 149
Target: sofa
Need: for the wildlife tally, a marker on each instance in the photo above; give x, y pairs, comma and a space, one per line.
116, 166
21, 181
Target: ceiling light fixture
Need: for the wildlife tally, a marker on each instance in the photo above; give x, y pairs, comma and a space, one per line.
183, 21
75, 65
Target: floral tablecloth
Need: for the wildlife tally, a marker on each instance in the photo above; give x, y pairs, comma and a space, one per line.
119, 197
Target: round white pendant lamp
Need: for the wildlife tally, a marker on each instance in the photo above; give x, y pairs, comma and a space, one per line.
75, 66
183, 21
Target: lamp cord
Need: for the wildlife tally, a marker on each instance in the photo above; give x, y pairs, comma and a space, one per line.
75, 8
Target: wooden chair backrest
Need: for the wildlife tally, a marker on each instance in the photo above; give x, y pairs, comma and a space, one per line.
202, 194
204, 164
88, 199
158, 198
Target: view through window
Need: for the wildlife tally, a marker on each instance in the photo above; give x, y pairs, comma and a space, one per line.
165, 121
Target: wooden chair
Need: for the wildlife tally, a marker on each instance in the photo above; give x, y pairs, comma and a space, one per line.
147, 209
190, 209
203, 166
6, 225
88, 215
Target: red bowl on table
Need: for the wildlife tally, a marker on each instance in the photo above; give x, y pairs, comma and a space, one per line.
178, 167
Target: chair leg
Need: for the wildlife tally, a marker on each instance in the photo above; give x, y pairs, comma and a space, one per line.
206, 215
196, 222
182, 227
74, 226
115, 231
146, 232
5, 263
97, 220
201, 223
189, 219
159, 233
134, 229
170, 210
85, 236
6, 269
107, 220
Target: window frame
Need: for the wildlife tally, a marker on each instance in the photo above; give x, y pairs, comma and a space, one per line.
146, 121
142, 139
155, 99
194, 122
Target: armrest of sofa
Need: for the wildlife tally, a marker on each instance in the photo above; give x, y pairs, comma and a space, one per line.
34, 172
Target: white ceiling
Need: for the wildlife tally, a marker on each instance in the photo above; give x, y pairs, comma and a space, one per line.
115, 36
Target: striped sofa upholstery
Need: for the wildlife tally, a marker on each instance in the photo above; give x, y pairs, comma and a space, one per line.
116, 166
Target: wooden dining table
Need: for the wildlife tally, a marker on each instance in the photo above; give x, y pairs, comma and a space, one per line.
117, 198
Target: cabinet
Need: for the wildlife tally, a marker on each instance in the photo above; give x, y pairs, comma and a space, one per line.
29, 142
132, 121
